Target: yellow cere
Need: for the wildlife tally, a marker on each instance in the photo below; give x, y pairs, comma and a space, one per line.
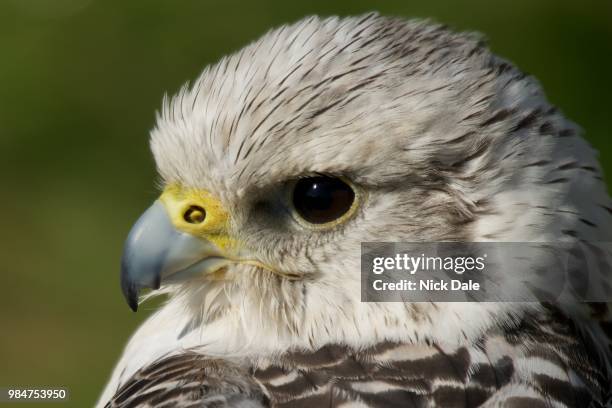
180, 201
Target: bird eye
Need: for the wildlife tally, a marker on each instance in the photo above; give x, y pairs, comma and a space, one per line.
320, 200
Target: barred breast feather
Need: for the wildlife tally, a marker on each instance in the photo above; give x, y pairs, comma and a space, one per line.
541, 362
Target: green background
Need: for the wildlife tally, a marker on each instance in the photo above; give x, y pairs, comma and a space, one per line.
80, 81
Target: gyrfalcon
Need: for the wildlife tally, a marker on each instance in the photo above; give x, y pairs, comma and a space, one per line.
282, 158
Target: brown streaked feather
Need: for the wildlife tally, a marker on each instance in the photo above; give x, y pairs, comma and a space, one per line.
186, 380
489, 372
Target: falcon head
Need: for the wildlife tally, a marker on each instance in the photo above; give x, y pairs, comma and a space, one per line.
281, 159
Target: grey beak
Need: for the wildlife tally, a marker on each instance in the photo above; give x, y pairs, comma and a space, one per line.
156, 252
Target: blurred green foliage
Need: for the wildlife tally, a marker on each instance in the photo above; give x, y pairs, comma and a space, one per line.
80, 81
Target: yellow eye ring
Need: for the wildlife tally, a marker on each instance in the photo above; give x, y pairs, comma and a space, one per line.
323, 202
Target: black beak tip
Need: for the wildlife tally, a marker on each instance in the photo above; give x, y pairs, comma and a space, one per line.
144, 253
132, 300
156, 282
130, 292
129, 288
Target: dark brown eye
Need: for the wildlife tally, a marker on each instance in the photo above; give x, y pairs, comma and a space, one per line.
320, 199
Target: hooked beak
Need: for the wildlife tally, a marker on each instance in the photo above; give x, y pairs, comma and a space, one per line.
156, 252
182, 235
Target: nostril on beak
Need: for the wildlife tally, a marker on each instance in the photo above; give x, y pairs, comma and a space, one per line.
195, 214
